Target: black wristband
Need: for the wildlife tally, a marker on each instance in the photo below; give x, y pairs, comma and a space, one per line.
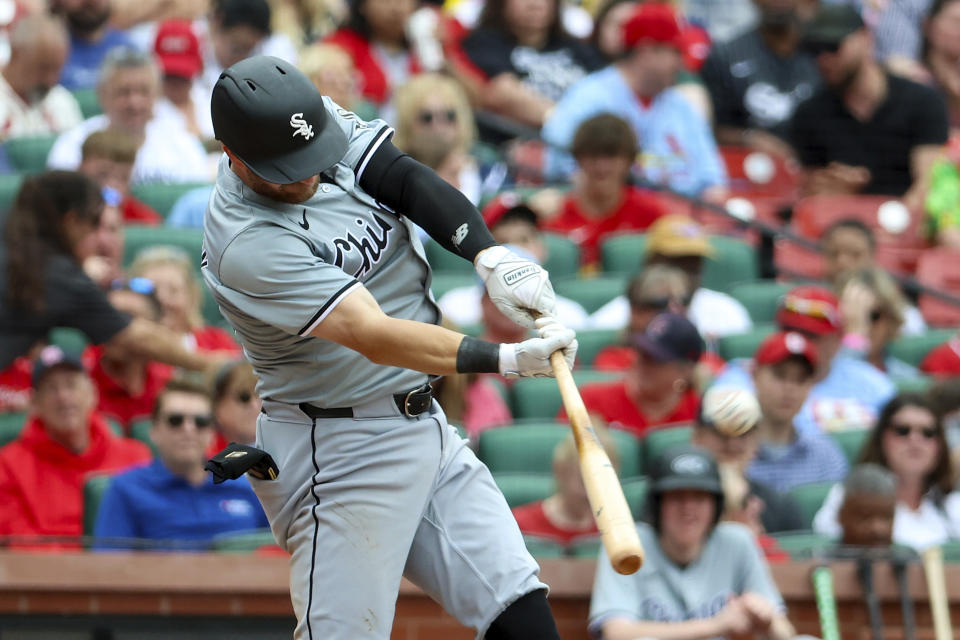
478, 356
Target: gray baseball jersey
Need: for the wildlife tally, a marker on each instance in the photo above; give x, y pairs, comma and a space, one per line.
731, 563
278, 269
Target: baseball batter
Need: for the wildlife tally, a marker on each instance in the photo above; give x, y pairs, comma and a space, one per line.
311, 253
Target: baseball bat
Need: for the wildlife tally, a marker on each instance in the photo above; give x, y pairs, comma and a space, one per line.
822, 577
937, 588
618, 532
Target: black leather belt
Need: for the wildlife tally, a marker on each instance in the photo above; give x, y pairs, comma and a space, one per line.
411, 404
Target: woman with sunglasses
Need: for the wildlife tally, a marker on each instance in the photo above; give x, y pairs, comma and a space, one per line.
909, 440
47, 236
236, 404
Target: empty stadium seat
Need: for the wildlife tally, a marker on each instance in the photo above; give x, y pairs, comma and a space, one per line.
563, 255
539, 398
760, 298
161, 196
11, 424
522, 488
659, 440
28, 154
140, 237
809, 499
913, 349
93, 490
940, 269
851, 442
744, 345
592, 293
592, 341
760, 173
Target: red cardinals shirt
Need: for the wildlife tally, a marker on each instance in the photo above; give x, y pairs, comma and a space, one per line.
533, 521
41, 482
638, 210
944, 360
115, 401
610, 401
138, 212
619, 358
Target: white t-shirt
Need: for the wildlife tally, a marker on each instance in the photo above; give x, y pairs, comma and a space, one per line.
462, 307
168, 153
925, 527
714, 314
57, 112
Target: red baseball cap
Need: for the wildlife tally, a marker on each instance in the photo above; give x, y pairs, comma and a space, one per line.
652, 23
811, 309
785, 344
178, 49
508, 201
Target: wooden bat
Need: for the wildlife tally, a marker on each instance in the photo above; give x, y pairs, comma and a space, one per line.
618, 532
937, 588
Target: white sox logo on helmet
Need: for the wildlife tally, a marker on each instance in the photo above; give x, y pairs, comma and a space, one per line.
300, 126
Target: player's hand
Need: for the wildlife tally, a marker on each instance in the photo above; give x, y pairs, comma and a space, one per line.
517, 286
531, 358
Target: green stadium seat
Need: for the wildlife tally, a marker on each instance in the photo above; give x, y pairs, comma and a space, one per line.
803, 545
635, 491
140, 237
11, 424
760, 298
630, 452
526, 448
161, 196
743, 345
539, 398
851, 442
522, 488
809, 499
592, 341
243, 542
913, 349
587, 547
442, 261
544, 547
916, 384
211, 310
951, 551
93, 490
657, 441
9, 186
69, 339
563, 256
140, 430
592, 293
734, 261
28, 154
444, 281
88, 101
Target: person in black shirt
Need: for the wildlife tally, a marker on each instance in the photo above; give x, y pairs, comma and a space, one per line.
757, 79
48, 233
866, 131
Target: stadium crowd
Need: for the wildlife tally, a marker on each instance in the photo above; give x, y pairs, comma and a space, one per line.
749, 202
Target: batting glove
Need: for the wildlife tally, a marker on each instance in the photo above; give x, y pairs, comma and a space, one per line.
531, 358
517, 286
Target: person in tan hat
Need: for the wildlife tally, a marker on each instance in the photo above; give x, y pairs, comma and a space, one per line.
678, 241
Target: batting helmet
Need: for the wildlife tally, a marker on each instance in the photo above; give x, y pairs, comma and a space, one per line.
268, 113
683, 466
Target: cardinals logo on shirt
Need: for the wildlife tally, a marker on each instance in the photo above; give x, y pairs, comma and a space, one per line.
300, 126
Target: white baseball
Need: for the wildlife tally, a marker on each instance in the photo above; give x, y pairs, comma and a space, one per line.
741, 208
893, 216
759, 167
732, 411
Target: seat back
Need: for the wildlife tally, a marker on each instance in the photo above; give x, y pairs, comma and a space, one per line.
759, 173
592, 341
851, 442
760, 298
913, 349
659, 440
539, 398
161, 196
591, 293
809, 498
140, 237
523, 488
28, 154
93, 490
9, 186
11, 424
744, 345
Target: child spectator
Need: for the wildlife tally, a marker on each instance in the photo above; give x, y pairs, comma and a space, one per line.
108, 157
173, 502
869, 506
42, 472
908, 440
104, 264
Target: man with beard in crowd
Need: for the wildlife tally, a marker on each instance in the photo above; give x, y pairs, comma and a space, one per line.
91, 37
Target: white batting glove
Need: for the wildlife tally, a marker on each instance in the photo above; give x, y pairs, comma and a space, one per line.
531, 358
517, 286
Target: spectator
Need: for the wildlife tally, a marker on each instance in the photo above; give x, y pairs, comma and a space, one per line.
528, 58
727, 428
32, 103
783, 372
676, 240
108, 157
941, 54
566, 515
848, 245
942, 204
177, 50
847, 392
433, 106
92, 38
236, 404
42, 472
602, 201
723, 19
899, 30
945, 397
607, 35
873, 312
180, 295
865, 131
679, 151
658, 389
701, 578
869, 506
104, 263
332, 71
513, 223
173, 502
909, 441
48, 235
128, 88
757, 79
128, 384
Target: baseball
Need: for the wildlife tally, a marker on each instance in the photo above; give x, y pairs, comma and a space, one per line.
893, 216
759, 167
733, 412
741, 208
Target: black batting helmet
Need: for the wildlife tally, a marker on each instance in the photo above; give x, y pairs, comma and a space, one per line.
268, 113
683, 466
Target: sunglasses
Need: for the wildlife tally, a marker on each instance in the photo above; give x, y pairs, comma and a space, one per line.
143, 286
444, 116
904, 430
177, 420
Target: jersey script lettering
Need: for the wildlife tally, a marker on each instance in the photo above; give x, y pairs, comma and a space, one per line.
370, 246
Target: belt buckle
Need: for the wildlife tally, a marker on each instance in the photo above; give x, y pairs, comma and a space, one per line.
426, 388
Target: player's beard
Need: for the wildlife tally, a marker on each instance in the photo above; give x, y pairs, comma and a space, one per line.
290, 193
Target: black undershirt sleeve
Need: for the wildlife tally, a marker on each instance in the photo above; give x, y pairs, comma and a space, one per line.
416, 191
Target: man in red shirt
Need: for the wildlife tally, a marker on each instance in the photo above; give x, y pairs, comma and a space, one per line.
658, 388
601, 201
64, 441
566, 515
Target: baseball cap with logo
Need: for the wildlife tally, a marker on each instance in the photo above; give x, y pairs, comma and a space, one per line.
652, 23
268, 113
685, 466
783, 345
810, 309
53, 357
829, 27
678, 235
178, 49
669, 337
